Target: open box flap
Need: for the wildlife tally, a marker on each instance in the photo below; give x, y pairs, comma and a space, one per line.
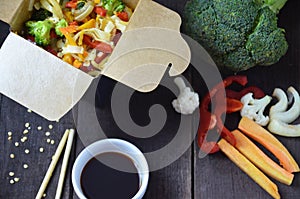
32, 79
151, 42
10, 9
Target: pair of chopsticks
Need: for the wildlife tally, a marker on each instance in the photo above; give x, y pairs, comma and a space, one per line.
67, 137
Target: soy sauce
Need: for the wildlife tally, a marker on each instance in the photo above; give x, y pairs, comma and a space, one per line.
98, 180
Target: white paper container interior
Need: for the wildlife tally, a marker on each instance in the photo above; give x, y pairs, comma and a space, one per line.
50, 87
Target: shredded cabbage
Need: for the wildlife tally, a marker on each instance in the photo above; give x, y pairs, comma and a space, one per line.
95, 33
85, 11
121, 25
72, 49
53, 7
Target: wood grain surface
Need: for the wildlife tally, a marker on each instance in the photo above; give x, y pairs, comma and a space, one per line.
211, 177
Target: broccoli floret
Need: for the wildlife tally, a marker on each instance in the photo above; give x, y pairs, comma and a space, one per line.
80, 4
113, 6
41, 31
237, 60
237, 34
267, 43
236, 14
60, 24
40, 15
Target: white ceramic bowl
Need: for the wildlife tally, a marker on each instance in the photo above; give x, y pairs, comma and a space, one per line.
111, 145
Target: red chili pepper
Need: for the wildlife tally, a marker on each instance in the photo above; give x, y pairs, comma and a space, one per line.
206, 115
257, 93
123, 16
100, 11
101, 46
71, 4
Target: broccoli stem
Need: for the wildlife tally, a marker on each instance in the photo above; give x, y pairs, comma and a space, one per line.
274, 5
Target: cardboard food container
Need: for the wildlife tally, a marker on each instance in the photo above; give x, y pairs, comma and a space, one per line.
45, 84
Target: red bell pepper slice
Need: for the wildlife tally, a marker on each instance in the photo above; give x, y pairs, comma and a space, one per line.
123, 16
206, 115
233, 105
101, 46
71, 4
100, 11
257, 93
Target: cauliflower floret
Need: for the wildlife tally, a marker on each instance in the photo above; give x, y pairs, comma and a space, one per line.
187, 100
254, 108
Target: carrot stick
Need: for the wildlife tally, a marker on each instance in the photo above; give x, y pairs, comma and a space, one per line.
260, 159
250, 169
270, 142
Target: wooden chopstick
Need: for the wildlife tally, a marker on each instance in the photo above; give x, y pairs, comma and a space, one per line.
64, 164
52, 165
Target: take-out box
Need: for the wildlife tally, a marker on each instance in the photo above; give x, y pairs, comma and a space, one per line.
45, 84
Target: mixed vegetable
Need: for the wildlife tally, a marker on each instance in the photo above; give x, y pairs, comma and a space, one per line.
82, 33
237, 145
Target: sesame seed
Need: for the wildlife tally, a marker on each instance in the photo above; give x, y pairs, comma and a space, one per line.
27, 125
9, 133
11, 181
41, 149
44, 195
25, 166
52, 142
17, 144
9, 138
12, 156
25, 131
26, 151
39, 128
47, 133
23, 139
50, 126
16, 179
48, 140
29, 111
11, 174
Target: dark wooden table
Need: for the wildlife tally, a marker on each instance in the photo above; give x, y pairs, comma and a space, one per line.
189, 177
